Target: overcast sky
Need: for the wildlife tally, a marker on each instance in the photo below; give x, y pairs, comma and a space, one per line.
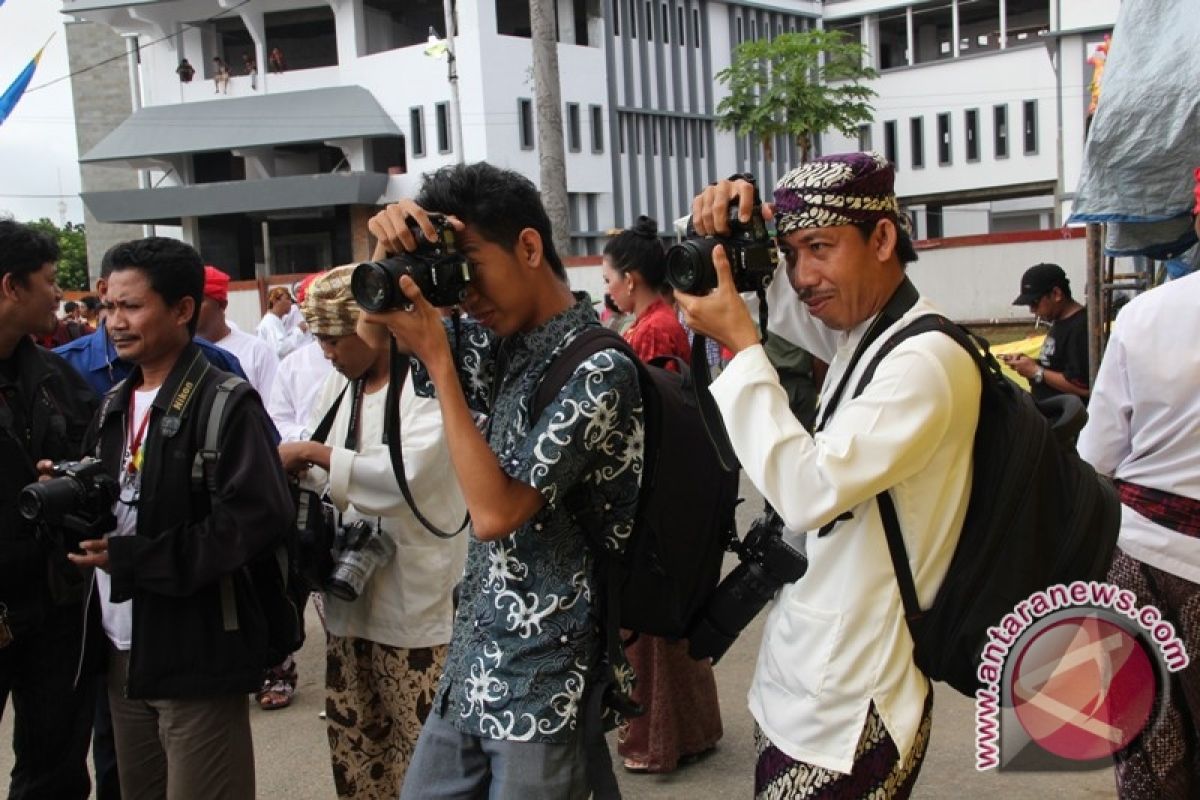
38, 157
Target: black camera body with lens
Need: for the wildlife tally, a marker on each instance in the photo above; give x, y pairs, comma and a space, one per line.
749, 247
77, 499
437, 267
767, 563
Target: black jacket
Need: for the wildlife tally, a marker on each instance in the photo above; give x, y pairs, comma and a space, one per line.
187, 540
44, 414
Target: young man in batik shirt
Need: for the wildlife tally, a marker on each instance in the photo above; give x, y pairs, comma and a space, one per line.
507, 720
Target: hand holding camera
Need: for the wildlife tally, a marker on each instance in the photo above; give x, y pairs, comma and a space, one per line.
404, 292
728, 250
72, 502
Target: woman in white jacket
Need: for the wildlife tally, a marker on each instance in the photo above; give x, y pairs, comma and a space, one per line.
385, 648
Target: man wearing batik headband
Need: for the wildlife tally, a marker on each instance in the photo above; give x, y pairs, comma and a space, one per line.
386, 649
842, 711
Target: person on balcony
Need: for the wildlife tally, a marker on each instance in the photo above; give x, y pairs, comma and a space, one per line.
220, 76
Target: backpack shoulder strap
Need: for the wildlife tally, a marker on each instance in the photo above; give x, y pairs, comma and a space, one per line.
983, 359
204, 465
582, 347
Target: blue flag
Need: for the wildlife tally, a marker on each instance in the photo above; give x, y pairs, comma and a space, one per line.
8, 100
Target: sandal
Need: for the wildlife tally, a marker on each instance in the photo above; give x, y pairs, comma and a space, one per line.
279, 687
636, 766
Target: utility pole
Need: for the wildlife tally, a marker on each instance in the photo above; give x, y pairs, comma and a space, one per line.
552, 155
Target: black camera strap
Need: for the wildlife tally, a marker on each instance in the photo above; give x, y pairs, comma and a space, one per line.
398, 373
904, 298
710, 415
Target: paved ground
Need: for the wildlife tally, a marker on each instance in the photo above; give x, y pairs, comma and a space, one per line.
292, 759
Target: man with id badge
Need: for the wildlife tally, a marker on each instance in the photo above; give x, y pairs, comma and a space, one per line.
186, 636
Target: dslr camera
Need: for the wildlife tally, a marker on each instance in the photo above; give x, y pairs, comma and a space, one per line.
358, 549
752, 255
78, 500
767, 563
437, 267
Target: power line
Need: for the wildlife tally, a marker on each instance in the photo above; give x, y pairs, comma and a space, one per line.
140, 47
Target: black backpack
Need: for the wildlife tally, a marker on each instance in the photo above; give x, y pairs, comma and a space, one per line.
274, 574
685, 514
1038, 515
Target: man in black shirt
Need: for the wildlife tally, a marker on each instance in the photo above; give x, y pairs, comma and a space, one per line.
45, 408
1062, 366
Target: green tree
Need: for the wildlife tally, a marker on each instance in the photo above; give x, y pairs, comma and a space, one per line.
799, 85
72, 261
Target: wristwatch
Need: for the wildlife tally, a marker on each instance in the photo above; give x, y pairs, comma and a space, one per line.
1040, 375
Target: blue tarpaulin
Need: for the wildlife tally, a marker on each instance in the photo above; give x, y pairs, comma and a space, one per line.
1142, 146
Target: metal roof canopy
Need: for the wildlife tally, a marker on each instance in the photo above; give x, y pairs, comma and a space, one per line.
314, 115
236, 197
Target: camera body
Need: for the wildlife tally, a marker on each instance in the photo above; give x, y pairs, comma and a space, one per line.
359, 549
751, 252
437, 267
767, 563
78, 499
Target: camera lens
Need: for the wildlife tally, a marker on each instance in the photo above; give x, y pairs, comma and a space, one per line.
690, 268
373, 286
31, 501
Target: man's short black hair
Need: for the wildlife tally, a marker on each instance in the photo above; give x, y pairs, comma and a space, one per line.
24, 250
70, 306
905, 250
174, 269
499, 203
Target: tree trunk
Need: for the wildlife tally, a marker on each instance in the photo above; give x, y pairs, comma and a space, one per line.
552, 155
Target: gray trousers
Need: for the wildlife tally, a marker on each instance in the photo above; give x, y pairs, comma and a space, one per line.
450, 765
180, 749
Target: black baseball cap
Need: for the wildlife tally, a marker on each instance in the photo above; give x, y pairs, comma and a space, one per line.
1037, 282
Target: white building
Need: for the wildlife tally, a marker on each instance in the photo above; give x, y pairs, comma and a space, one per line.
283, 171
982, 105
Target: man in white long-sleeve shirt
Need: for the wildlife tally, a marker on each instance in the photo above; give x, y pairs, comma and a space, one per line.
386, 648
273, 327
842, 710
298, 382
1143, 429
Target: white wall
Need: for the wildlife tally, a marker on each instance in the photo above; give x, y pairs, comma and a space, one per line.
980, 282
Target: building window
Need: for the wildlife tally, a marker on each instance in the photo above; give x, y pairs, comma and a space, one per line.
851, 29
632, 17
307, 37
1000, 125
666, 24
597, 117
416, 133
972, 125
574, 136
889, 141
864, 138
525, 122
695, 27
443, 126
512, 18
916, 127
1029, 127
649, 20
943, 134
933, 32
893, 39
